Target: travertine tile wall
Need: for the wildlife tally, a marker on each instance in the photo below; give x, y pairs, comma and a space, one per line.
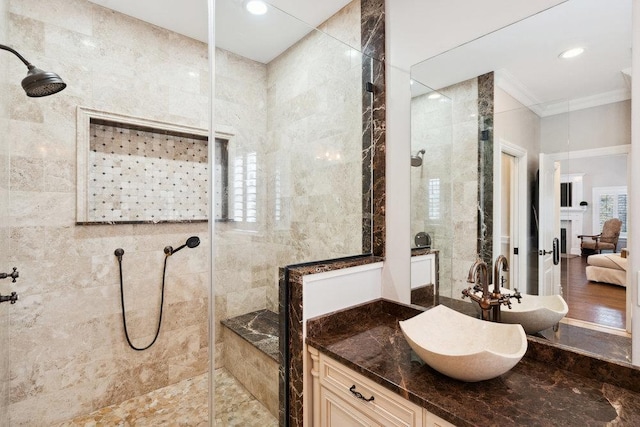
447, 129
68, 351
301, 115
5, 286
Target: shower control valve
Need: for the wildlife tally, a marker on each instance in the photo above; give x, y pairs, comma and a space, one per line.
14, 274
9, 298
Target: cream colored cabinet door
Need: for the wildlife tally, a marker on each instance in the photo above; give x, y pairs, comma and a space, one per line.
336, 412
341, 395
431, 420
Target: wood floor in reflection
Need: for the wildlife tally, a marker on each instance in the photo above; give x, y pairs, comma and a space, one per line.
595, 302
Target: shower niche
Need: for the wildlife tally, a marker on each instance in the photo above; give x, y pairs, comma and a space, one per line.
132, 170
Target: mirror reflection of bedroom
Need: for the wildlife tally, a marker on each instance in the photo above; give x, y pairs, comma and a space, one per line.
593, 216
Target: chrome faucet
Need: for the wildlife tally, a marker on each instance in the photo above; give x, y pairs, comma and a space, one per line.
489, 302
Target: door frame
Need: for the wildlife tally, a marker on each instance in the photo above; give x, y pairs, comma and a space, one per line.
519, 189
598, 152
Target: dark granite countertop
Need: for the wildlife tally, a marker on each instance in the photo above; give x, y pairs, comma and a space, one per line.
368, 340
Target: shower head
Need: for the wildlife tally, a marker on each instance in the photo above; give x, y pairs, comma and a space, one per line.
192, 242
416, 160
38, 83
42, 83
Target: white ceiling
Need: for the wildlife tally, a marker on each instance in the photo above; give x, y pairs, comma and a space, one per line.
260, 38
421, 29
525, 57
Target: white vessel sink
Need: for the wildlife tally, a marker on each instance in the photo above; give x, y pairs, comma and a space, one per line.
462, 347
535, 313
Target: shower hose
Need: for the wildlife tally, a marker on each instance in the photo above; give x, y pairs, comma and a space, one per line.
124, 316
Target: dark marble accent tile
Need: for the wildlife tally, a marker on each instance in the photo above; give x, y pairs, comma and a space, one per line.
436, 289
580, 362
291, 341
532, 393
423, 296
582, 351
595, 343
357, 318
373, 125
283, 343
259, 328
423, 251
485, 168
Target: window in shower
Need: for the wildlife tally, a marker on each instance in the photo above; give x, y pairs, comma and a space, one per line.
245, 188
434, 199
221, 179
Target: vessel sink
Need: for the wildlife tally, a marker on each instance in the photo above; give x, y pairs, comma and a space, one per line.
463, 347
535, 313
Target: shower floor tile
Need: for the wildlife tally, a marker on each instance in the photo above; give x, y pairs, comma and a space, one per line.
184, 404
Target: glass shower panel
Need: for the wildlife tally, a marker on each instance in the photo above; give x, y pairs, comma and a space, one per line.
292, 113
432, 183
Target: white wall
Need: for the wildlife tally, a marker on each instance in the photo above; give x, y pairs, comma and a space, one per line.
606, 171
597, 127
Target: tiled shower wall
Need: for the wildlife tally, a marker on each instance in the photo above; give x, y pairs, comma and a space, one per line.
448, 130
6, 286
68, 351
299, 116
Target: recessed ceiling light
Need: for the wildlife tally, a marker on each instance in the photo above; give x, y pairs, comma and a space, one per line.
256, 7
434, 95
571, 53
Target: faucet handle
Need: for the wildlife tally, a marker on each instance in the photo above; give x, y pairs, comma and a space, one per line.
14, 274
517, 295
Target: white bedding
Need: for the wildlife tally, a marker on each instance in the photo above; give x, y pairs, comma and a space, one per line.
607, 268
614, 261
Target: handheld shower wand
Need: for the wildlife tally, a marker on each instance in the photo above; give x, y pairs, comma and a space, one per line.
192, 242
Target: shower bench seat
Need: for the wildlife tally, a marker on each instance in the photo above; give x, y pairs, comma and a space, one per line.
251, 354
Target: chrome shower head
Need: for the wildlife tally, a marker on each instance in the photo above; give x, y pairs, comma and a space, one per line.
416, 161
192, 242
38, 83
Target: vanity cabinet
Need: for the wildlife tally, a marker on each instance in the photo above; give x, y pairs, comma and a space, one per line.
344, 398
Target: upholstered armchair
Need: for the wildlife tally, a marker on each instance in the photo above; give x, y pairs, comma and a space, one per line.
607, 240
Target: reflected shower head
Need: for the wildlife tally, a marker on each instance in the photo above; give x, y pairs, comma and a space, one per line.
38, 83
416, 160
192, 242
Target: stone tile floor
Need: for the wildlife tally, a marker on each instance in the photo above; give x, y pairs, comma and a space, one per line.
184, 404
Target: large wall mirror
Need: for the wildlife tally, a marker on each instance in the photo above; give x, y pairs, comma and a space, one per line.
519, 146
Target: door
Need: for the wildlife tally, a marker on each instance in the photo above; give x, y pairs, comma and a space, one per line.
549, 232
510, 219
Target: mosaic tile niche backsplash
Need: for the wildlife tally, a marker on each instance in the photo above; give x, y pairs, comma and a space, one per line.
145, 175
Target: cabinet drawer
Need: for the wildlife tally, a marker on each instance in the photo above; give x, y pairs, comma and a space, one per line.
387, 407
432, 420
337, 412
